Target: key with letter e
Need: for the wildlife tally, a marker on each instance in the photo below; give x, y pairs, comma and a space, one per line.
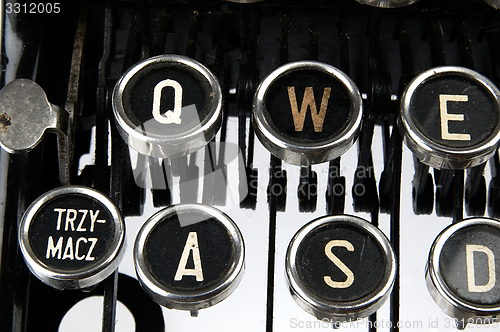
450, 117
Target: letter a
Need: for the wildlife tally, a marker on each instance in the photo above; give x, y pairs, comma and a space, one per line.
471, 278
191, 246
350, 276
308, 102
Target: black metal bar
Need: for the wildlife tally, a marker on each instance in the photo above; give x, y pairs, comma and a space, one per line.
405, 49
343, 33
102, 182
133, 48
423, 187
73, 95
247, 83
215, 192
395, 224
493, 39
494, 188
160, 33
144, 21
101, 131
458, 197
336, 189
475, 191
271, 263
192, 40
464, 43
373, 33
435, 36
223, 74
284, 32
14, 276
109, 302
314, 36
475, 194
336, 186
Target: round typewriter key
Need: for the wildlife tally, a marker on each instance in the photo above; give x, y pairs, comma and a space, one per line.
167, 106
387, 3
450, 117
189, 257
307, 112
340, 268
72, 237
463, 271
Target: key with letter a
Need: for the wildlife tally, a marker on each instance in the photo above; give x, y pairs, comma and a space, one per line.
175, 249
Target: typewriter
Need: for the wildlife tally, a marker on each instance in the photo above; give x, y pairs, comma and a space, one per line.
273, 165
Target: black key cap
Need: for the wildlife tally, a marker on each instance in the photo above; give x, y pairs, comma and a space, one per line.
340, 268
167, 106
189, 257
307, 112
464, 269
72, 237
450, 117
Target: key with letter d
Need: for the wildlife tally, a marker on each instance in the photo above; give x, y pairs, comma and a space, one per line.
463, 271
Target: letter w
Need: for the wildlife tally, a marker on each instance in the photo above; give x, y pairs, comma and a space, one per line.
308, 102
